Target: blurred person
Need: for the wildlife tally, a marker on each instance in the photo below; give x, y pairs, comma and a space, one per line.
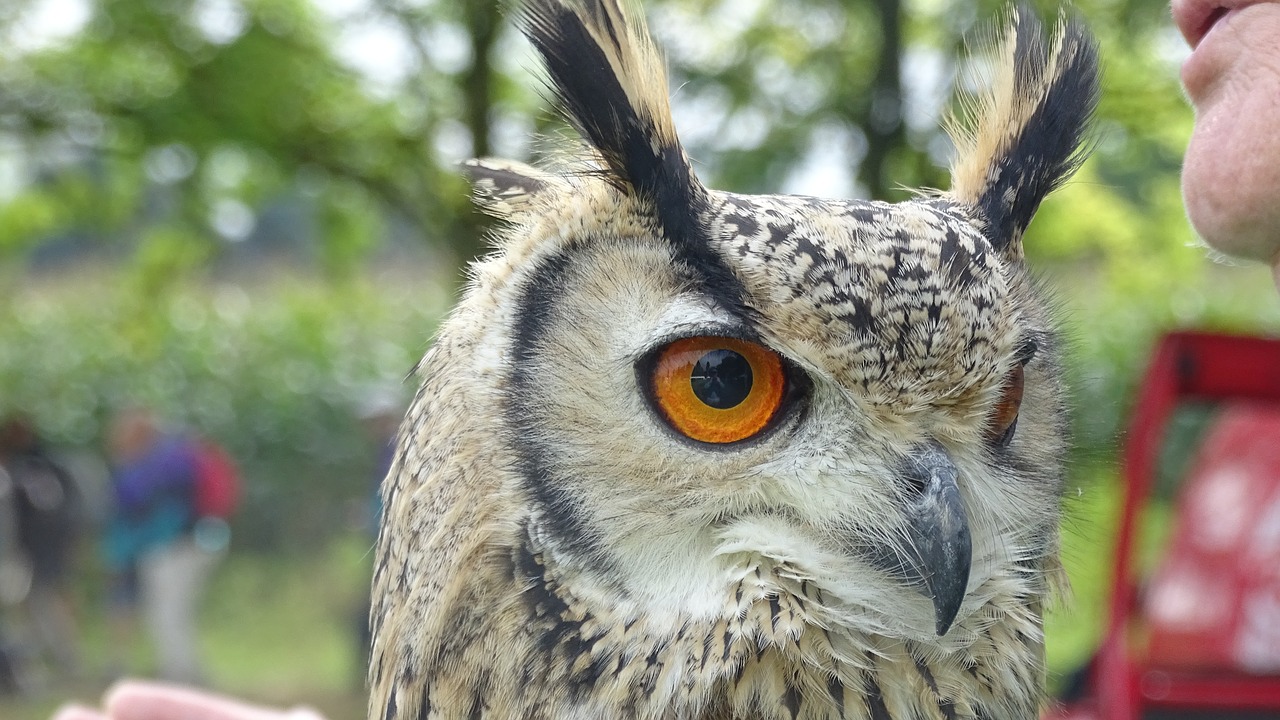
159, 561
379, 416
15, 579
1231, 175
46, 509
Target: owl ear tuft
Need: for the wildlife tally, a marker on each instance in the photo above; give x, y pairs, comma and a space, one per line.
1026, 136
611, 82
506, 189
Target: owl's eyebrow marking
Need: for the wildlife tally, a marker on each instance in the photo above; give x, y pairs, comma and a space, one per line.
609, 81
627, 119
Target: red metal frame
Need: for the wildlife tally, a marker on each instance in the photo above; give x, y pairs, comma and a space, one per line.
1186, 366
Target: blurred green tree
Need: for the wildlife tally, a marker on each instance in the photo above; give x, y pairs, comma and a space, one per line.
195, 114
150, 117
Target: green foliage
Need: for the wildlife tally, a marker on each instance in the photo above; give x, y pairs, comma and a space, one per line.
279, 375
34, 214
768, 95
142, 100
1112, 327
350, 225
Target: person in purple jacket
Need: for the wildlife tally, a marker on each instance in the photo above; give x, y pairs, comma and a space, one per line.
149, 547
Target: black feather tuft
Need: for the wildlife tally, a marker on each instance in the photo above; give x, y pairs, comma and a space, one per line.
610, 82
1050, 144
1029, 132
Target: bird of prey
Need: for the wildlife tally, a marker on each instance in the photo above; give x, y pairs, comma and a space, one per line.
685, 453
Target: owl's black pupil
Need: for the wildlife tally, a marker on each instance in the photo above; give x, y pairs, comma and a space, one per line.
722, 379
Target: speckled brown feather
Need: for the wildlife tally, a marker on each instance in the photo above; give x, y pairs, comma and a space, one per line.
550, 549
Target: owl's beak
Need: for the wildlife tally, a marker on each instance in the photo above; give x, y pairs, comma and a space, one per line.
940, 550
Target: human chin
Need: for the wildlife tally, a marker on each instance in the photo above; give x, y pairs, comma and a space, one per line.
1231, 176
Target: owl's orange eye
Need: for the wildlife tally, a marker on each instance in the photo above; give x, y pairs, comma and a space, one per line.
718, 389
1004, 419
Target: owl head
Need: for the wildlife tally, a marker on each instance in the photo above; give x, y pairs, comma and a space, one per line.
737, 421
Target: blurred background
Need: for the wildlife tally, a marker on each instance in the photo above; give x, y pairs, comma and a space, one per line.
245, 216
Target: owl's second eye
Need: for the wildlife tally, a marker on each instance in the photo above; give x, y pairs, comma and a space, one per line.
717, 389
1004, 419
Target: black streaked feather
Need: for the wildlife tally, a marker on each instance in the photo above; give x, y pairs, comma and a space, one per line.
541, 295
640, 157
1050, 144
494, 183
642, 152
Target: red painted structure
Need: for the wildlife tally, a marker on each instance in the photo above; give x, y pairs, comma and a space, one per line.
1202, 639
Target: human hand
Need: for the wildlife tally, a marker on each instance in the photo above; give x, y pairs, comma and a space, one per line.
137, 700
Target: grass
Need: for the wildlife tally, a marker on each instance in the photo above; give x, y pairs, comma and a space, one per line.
276, 630
1073, 626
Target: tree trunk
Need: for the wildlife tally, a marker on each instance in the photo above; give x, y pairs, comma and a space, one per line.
883, 123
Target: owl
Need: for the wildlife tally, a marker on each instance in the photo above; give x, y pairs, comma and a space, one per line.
684, 453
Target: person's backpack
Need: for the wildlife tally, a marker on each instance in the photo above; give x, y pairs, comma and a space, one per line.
217, 490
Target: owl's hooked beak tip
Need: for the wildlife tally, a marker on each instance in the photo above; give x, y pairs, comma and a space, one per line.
941, 551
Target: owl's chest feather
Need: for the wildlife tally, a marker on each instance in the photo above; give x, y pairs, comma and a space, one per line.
768, 656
